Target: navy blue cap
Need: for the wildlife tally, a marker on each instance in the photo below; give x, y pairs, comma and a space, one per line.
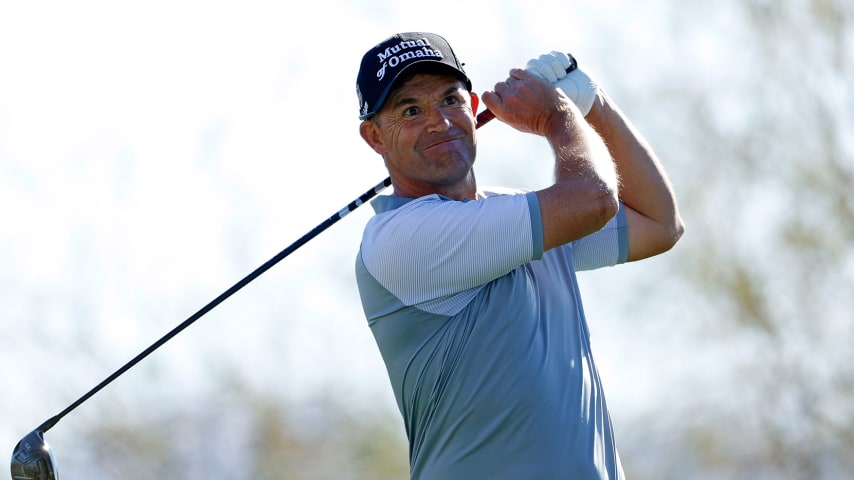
383, 64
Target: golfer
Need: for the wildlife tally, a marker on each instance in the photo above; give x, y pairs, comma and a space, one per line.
471, 293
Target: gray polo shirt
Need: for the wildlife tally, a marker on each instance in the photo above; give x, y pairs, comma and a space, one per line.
484, 337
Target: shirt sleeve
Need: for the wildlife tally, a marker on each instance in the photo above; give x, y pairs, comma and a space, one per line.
434, 248
604, 248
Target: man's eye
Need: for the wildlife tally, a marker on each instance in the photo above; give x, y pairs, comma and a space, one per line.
411, 111
452, 101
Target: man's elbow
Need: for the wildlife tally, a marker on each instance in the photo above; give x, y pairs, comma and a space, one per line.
677, 228
601, 203
609, 206
648, 238
670, 234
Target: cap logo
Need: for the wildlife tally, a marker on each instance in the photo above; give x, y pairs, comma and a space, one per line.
382, 65
392, 56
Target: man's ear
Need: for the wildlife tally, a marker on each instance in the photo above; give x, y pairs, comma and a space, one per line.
370, 132
475, 102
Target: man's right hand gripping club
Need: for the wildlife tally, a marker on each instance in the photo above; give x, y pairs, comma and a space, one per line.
527, 103
585, 175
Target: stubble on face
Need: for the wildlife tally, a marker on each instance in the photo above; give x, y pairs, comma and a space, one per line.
427, 129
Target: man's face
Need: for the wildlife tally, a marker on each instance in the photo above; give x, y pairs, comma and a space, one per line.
425, 133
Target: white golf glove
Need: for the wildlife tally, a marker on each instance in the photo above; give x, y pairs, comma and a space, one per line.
577, 85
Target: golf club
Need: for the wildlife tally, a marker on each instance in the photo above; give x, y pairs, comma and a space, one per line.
32, 458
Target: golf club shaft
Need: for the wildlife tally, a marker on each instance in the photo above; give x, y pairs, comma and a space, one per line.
482, 119
221, 298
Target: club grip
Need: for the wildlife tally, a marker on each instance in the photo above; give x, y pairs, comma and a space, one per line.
484, 117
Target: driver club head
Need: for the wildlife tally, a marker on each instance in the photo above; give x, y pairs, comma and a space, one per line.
33, 459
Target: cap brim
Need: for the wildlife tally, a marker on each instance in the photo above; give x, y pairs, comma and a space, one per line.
422, 66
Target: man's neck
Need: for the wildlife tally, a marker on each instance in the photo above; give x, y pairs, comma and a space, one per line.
459, 191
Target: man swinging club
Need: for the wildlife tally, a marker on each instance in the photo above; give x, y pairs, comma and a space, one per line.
471, 292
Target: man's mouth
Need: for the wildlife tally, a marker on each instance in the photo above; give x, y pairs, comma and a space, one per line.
441, 142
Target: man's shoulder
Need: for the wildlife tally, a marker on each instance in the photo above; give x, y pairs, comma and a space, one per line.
387, 203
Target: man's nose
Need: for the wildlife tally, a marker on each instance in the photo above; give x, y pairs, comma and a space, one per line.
438, 120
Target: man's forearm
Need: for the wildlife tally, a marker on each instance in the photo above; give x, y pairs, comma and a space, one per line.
644, 185
652, 213
585, 179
